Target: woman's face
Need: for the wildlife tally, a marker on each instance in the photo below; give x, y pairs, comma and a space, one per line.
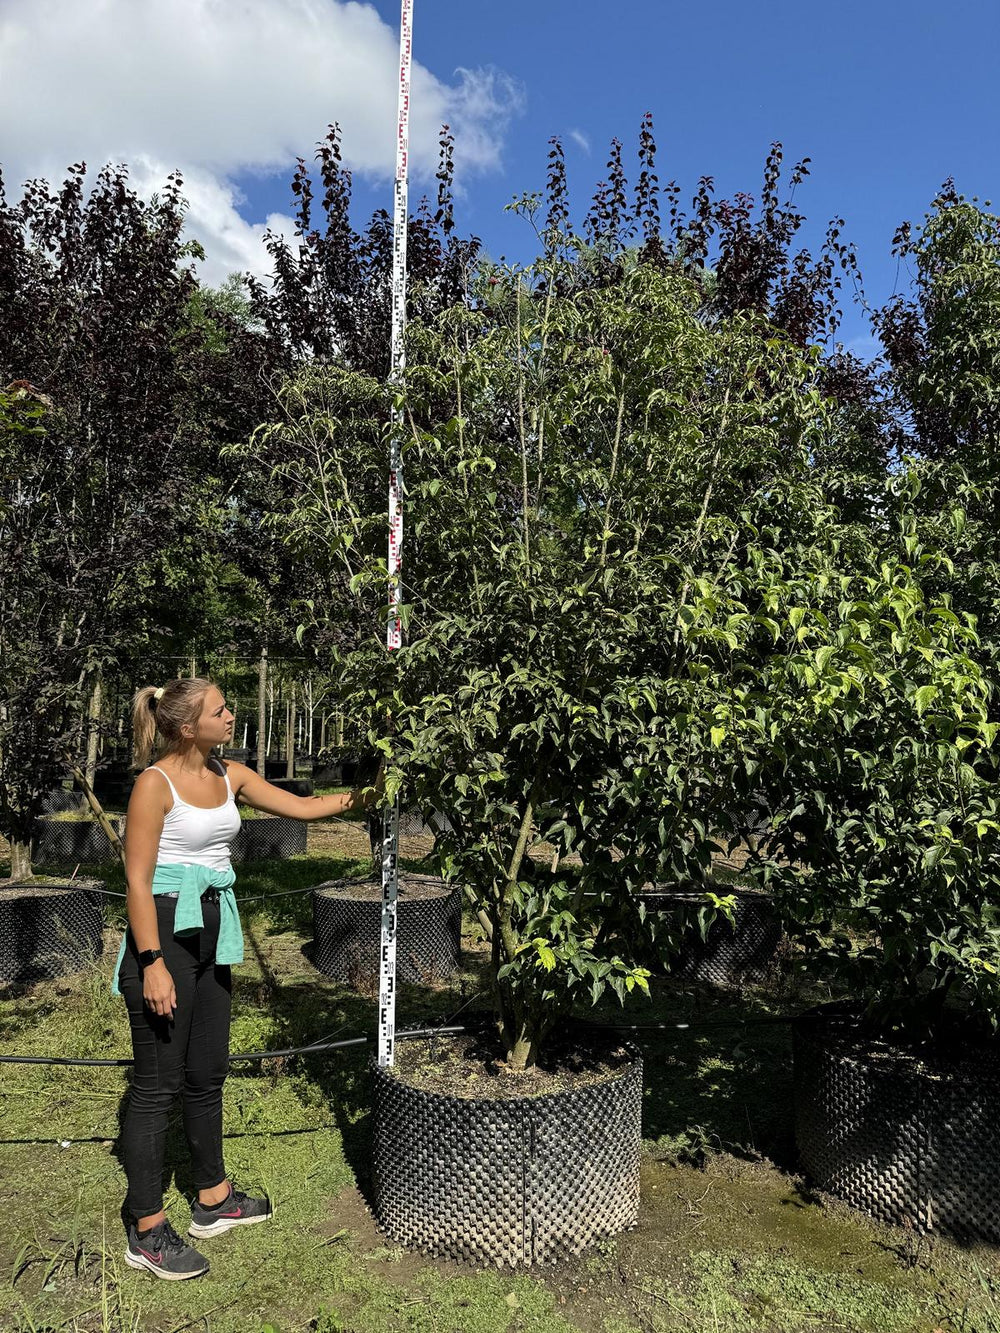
215, 723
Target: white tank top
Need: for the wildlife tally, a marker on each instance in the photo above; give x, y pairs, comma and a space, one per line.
193, 836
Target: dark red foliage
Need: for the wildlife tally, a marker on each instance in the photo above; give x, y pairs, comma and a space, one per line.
744, 247
330, 295
94, 293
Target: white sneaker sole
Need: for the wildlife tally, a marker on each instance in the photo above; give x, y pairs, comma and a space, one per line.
147, 1266
224, 1224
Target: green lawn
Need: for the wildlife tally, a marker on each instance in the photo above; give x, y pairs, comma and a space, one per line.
728, 1242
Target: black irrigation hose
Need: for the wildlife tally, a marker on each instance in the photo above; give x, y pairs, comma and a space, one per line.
319, 1047
698, 1027
258, 898
266, 897
314, 1049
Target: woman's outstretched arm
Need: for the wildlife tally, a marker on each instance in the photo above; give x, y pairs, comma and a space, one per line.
253, 790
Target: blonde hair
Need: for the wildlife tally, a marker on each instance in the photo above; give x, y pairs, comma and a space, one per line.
159, 715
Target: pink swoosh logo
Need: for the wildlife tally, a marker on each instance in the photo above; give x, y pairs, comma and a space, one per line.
153, 1258
238, 1213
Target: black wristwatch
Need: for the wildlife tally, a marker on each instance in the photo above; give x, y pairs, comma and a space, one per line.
149, 956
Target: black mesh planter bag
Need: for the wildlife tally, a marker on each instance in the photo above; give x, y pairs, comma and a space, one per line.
65, 843
510, 1181
59, 801
412, 824
347, 922
49, 930
734, 953
113, 784
907, 1138
269, 839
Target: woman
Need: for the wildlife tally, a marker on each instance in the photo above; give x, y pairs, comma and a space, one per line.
174, 967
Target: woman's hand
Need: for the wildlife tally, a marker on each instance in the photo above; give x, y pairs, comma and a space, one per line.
158, 989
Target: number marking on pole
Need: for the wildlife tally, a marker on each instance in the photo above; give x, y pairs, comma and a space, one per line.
394, 626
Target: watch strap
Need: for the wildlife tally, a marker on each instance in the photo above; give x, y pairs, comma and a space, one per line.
148, 956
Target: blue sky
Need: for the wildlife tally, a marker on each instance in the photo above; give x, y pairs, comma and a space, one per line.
887, 98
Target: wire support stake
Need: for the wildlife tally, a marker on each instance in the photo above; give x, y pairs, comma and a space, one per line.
316, 1048
777, 1020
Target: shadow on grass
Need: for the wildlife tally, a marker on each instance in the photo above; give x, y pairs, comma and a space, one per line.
722, 1084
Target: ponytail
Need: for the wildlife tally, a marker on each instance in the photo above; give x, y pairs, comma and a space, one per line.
143, 726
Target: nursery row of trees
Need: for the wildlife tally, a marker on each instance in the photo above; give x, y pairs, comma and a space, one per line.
671, 554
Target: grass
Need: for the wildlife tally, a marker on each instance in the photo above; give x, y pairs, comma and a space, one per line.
729, 1240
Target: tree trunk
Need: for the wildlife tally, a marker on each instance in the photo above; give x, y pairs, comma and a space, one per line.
322, 733
194, 667
20, 861
262, 712
290, 734
518, 1026
523, 1052
93, 727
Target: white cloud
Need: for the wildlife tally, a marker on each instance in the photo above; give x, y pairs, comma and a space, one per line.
231, 244
865, 346
220, 87
580, 139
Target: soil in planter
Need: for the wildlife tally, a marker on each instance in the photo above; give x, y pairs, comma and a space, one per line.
370, 890
43, 886
471, 1066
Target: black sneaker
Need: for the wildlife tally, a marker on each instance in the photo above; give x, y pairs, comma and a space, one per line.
239, 1210
163, 1253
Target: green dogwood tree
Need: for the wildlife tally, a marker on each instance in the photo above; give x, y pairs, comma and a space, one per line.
571, 459
641, 597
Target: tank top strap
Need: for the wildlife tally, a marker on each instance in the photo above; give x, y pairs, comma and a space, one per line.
173, 789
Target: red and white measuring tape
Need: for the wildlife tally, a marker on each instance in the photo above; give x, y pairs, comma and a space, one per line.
394, 628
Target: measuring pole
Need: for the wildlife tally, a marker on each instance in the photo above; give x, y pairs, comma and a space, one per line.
394, 628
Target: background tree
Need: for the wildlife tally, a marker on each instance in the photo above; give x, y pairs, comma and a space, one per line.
330, 294
94, 294
35, 656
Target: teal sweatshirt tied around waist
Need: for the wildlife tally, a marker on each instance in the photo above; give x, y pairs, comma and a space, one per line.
189, 882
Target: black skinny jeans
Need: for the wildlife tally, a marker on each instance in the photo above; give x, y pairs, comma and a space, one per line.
188, 1054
